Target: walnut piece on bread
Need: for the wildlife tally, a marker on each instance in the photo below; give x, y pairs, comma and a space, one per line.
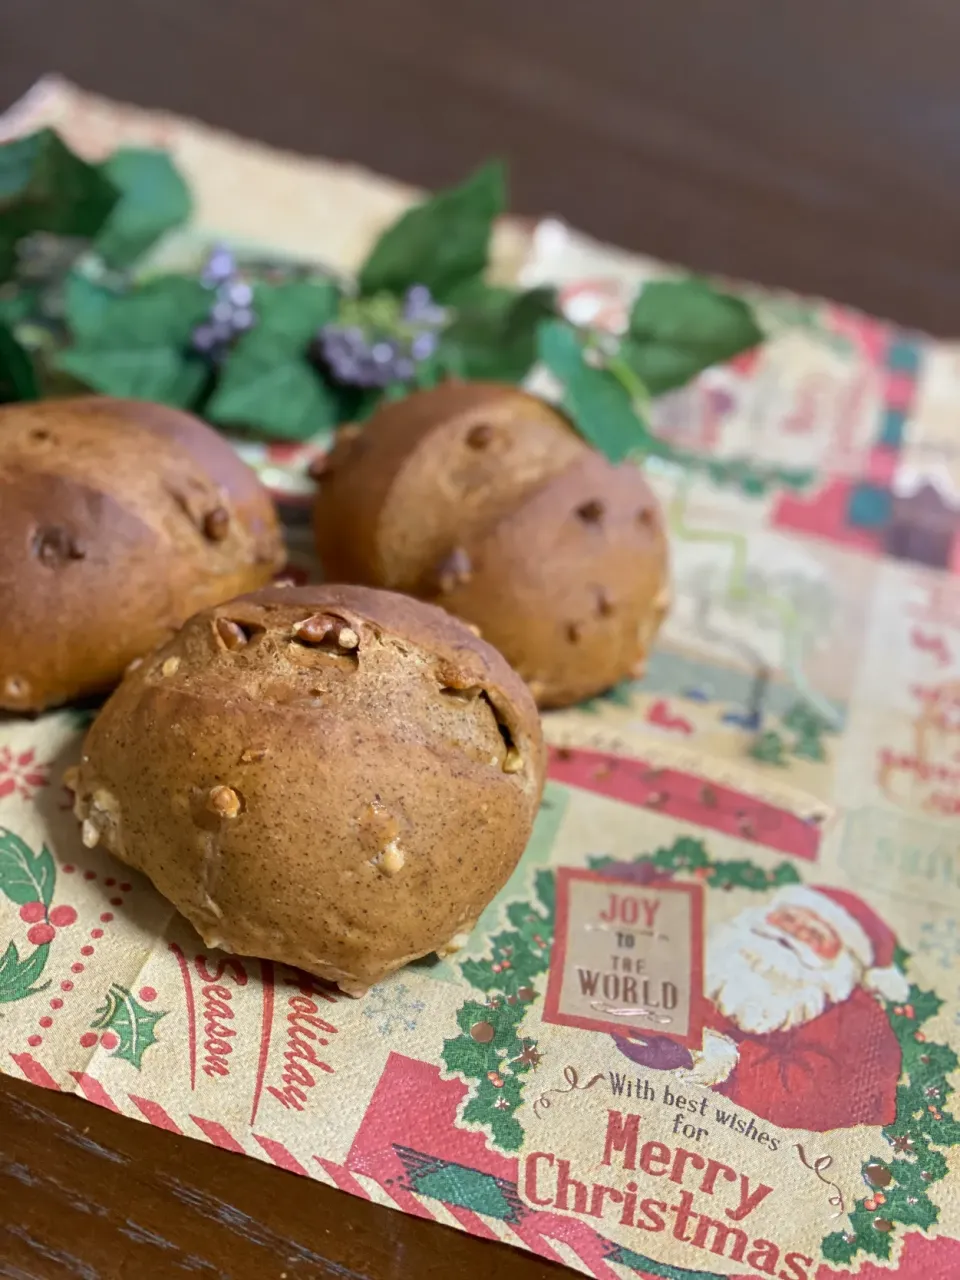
332, 777
482, 498
118, 520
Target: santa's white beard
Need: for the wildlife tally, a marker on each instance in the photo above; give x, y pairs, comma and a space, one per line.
763, 984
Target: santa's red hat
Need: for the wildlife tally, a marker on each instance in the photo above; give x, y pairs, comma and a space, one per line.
863, 933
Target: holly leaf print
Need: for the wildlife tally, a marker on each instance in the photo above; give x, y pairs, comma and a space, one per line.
24, 875
18, 976
131, 1023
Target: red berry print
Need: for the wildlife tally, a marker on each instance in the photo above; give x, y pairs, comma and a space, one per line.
56, 1003
69, 869
106, 917
96, 933
33, 912
66, 986
109, 882
46, 1021
147, 993
40, 934
89, 875
77, 968
125, 888
33, 1041
63, 917
109, 1040
88, 1039
86, 951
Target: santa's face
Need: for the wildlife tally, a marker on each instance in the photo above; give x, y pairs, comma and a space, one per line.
769, 969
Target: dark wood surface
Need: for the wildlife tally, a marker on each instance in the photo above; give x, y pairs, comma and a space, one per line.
812, 145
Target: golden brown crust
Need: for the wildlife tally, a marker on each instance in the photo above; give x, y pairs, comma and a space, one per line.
571, 582
118, 519
333, 777
474, 448
469, 495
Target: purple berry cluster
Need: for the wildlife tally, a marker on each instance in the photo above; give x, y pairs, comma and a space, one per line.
388, 348
232, 311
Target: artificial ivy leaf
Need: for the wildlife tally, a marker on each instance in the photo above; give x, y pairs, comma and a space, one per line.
496, 336
18, 378
270, 391
159, 374
477, 293
294, 311
18, 303
153, 200
597, 404
441, 243
45, 187
137, 344
85, 303
24, 875
680, 327
268, 383
130, 1021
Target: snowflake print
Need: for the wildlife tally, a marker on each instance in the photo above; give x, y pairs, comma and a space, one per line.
21, 773
390, 1004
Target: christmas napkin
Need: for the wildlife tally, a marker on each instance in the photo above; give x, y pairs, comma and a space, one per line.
708, 1028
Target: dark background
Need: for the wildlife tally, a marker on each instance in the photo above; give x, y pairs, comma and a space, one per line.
814, 145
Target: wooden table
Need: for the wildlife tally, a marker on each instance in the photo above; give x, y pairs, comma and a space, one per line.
804, 144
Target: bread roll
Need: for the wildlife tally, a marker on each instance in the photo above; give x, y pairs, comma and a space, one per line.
336, 778
483, 499
118, 519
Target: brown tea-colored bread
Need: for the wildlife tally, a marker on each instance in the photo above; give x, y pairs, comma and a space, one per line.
482, 498
333, 777
118, 519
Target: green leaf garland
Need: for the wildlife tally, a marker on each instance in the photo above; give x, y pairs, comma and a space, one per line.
45, 187
494, 334
18, 378
136, 344
154, 199
62, 317
678, 328
495, 1066
269, 383
598, 404
442, 243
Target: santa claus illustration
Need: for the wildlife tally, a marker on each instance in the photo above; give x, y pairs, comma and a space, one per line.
795, 1032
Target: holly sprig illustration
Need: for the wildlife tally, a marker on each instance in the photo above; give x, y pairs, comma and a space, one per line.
489, 1051
132, 1024
27, 879
900, 1179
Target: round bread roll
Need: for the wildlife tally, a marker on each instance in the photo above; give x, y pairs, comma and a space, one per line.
118, 520
483, 499
333, 777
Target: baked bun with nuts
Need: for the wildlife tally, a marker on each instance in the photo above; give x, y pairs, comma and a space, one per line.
332, 777
482, 498
118, 520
